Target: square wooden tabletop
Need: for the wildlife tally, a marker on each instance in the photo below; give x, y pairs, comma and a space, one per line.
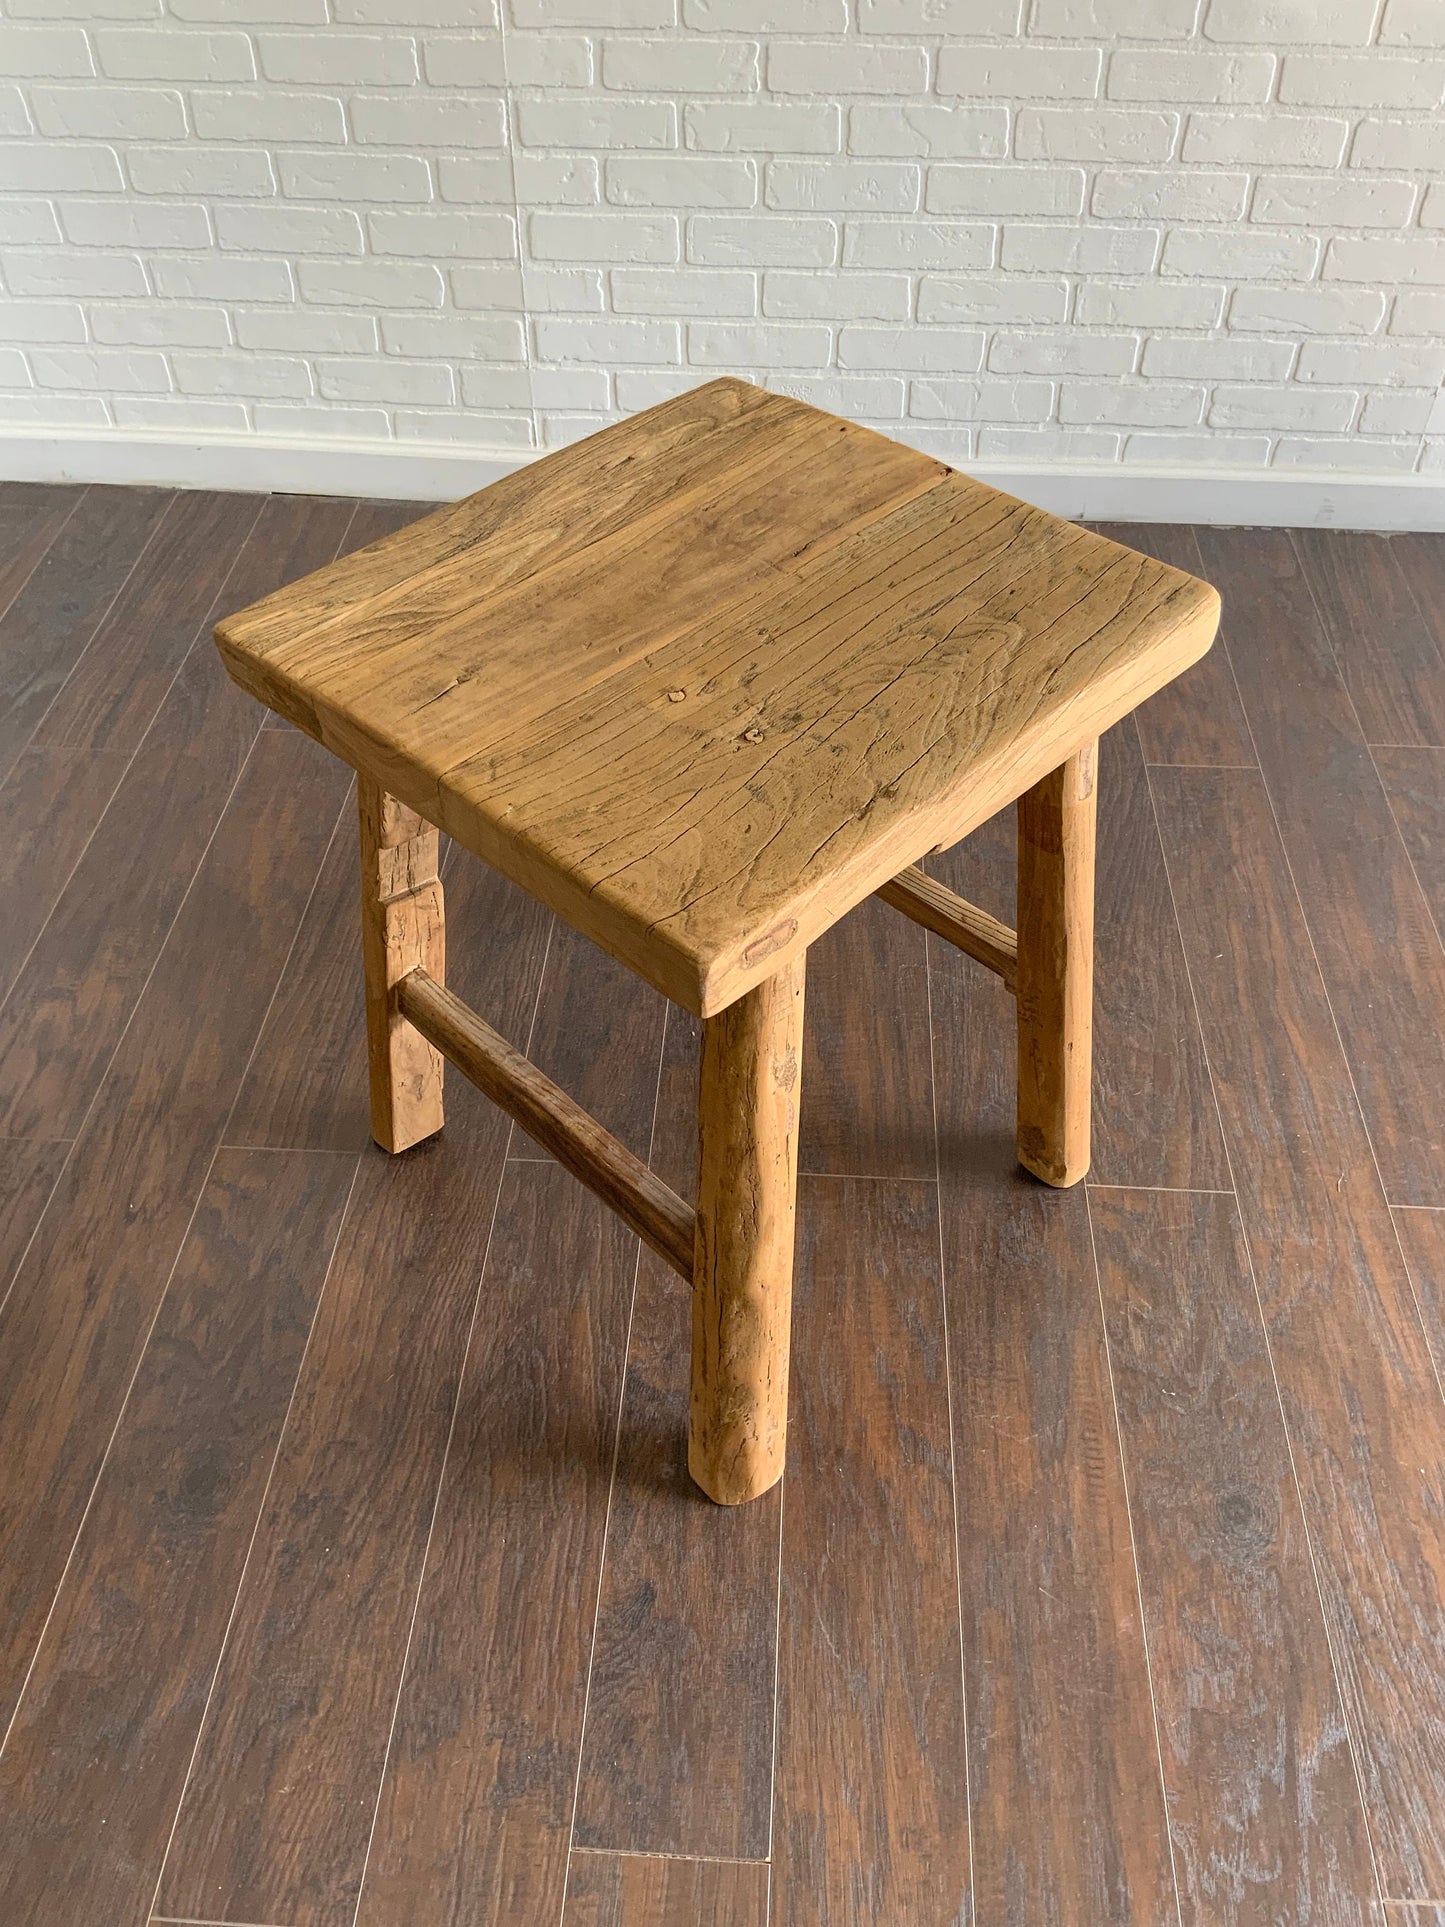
706, 679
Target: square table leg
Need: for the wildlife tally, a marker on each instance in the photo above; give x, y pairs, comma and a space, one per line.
402, 928
1056, 969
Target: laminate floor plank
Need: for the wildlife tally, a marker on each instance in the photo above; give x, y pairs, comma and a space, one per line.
1066, 1803
120, 681
1414, 781
306, 1085
678, 1752
96, 1759
867, 1098
48, 625
76, 1318
50, 804
1378, 952
631, 1890
1359, 1394
1154, 1117
1390, 658
1264, 1806
870, 1796
29, 1168
73, 998
1198, 718
1422, 1241
32, 514
497, 1679
275, 1823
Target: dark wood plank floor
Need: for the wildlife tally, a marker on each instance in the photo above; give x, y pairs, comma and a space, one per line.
350, 1574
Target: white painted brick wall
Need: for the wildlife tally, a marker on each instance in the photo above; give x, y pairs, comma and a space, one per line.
1185, 233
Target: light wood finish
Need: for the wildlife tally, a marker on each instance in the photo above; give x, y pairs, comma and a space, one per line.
1056, 969
747, 1178
706, 680
551, 1118
958, 922
402, 929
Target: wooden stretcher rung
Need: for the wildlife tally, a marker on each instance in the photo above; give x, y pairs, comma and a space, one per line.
546, 1113
948, 916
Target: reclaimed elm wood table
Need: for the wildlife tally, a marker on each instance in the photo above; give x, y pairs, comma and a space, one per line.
701, 683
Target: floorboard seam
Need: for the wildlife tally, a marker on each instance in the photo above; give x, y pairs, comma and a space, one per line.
687, 1859
21, 587
1264, 1322
1134, 1554
611, 1486
928, 943
260, 1514
446, 1454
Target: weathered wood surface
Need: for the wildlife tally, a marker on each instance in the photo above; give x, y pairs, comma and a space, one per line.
703, 731
958, 922
747, 1180
1054, 987
552, 1119
403, 929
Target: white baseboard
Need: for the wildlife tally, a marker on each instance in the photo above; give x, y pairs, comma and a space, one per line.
436, 472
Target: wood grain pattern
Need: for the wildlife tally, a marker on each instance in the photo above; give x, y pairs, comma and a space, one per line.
1068, 1816
1198, 718
615, 1890
1420, 560
94, 1765
1055, 981
1358, 1391
50, 804
46, 628
1377, 952
1422, 1241
83, 1299
306, 1086
677, 1757
29, 1168
403, 928
747, 1178
274, 1826
652, 771
492, 1702
868, 1664
867, 1092
1264, 1808
1154, 1116
120, 681
371, 522
32, 514
1414, 781
1388, 653
974, 931
550, 1118
71, 1002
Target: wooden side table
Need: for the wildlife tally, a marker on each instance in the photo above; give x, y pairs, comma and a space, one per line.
701, 683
